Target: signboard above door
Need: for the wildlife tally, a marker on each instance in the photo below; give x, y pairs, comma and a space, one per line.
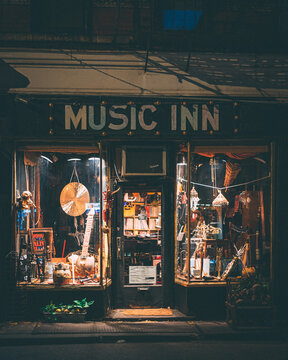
139, 118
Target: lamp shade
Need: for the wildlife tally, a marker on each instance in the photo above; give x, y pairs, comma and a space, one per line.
220, 200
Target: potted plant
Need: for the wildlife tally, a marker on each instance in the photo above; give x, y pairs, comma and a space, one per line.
75, 312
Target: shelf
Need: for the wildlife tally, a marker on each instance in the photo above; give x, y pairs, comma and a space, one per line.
149, 224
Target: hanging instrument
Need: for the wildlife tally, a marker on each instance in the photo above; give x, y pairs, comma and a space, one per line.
85, 263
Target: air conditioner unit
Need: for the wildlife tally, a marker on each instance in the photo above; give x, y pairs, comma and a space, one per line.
143, 161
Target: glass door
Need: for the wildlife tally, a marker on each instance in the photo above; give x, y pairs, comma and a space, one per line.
139, 251
142, 238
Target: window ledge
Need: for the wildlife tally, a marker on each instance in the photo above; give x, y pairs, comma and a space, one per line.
68, 287
199, 283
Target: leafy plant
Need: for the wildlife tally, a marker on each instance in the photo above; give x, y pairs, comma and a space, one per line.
76, 306
51, 308
82, 304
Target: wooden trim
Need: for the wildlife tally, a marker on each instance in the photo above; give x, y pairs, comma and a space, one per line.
200, 283
175, 221
188, 261
62, 149
69, 287
235, 149
101, 213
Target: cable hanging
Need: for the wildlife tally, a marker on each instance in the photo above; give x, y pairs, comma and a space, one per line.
226, 187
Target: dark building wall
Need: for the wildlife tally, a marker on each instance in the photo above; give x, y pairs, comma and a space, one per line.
7, 255
223, 25
280, 250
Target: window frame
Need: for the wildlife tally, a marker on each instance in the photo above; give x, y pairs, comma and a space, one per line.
193, 147
67, 149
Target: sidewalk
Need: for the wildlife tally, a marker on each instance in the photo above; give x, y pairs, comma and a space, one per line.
21, 333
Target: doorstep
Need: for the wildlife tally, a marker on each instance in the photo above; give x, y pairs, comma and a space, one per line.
157, 314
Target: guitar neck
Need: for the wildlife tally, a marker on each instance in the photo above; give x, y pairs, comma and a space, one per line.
89, 224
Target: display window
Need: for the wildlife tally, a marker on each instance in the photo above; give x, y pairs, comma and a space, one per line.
63, 214
223, 210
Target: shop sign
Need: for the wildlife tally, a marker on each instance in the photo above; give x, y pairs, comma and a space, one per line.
142, 118
95, 206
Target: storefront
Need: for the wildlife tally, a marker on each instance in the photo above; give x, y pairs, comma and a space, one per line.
107, 192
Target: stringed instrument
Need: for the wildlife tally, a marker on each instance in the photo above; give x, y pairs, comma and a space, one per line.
85, 263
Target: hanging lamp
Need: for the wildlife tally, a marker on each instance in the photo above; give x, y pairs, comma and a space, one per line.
220, 200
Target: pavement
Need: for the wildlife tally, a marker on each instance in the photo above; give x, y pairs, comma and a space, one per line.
20, 333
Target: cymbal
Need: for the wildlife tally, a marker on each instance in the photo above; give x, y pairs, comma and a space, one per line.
73, 198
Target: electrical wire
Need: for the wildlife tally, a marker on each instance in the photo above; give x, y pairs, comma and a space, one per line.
226, 187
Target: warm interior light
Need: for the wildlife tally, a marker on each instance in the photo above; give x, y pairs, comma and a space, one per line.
220, 200
46, 158
74, 159
182, 160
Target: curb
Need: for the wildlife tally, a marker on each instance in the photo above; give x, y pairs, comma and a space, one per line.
20, 340
94, 338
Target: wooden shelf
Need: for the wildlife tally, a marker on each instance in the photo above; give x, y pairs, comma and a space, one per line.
132, 215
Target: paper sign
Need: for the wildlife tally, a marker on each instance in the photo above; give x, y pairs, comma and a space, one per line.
206, 266
142, 274
95, 206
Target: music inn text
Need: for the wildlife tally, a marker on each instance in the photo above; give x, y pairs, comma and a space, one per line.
128, 117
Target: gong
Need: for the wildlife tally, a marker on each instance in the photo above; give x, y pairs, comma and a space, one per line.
73, 198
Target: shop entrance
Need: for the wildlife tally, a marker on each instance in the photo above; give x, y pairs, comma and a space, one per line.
140, 248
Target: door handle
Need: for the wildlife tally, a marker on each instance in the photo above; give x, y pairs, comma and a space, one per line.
119, 247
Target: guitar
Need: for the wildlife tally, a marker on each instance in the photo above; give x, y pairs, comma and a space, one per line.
85, 263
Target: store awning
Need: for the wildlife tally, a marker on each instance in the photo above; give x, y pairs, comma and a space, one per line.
160, 74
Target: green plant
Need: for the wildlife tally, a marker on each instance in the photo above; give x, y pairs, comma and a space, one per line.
51, 308
82, 304
76, 306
